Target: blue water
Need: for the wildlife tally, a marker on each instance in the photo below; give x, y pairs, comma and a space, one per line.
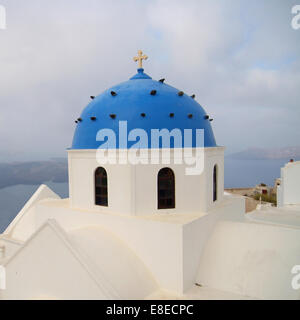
238, 173
12, 199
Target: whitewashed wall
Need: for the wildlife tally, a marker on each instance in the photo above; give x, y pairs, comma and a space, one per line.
251, 259
82, 166
46, 268
132, 189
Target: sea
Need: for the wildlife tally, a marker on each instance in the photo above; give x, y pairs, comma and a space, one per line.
238, 174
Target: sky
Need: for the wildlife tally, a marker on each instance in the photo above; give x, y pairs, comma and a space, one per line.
241, 59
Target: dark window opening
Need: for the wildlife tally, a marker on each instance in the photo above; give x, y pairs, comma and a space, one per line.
166, 189
215, 187
101, 198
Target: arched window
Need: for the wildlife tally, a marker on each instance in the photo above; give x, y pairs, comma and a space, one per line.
166, 189
215, 183
101, 198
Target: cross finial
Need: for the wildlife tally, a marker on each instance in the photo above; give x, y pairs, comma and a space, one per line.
140, 58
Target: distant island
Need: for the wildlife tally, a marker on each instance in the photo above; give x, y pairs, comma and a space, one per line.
33, 173
267, 154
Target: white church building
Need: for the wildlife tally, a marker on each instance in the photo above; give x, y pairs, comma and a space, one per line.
136, 226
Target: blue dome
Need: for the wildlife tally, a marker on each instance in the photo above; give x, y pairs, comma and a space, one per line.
133, 102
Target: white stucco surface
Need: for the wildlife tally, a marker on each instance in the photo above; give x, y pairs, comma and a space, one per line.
114, 262
133, 188
251, 259
72, 249
284, 216
89, 262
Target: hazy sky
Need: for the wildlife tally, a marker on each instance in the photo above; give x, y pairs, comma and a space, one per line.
240, 58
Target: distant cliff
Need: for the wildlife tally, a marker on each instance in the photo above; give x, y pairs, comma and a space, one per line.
265, 154
33, 173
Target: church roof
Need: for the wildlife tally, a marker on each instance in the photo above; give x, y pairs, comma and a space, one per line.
146, 104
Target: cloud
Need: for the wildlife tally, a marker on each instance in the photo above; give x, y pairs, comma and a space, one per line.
240, 58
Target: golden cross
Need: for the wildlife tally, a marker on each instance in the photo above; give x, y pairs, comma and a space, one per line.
140, 58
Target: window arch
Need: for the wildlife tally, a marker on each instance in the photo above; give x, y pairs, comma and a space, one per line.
215, 183
101, 197
166, 189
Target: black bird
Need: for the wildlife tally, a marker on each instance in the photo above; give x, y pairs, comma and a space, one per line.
180, 93
193, 96
113, 116
153, 92
162, 80
113, 93
79, 119
171, 115
93, 118
211, 119
143, 115
206, 117
92, 97
190, 115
